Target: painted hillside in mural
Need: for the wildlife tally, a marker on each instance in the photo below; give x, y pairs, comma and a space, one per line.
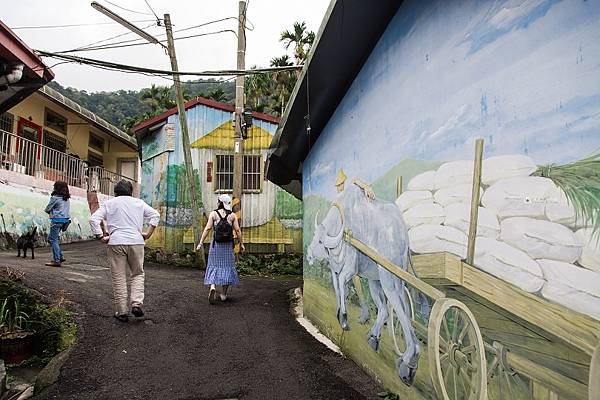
503, 297
270, 217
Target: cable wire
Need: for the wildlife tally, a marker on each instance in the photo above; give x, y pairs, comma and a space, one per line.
107, 39
127, 9
150, 7
106, 47
142, 41
132, 68
72, 25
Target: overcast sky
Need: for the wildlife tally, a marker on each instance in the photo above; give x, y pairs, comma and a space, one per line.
213, 52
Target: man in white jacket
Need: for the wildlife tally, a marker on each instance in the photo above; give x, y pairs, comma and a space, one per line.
125, 216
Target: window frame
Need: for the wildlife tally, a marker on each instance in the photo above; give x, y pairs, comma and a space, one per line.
259, 174
99, 139
218, 173
55, 127
98, 157
57, 164
11, 120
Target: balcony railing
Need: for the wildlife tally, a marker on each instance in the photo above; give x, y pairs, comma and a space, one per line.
103, 181
28, 157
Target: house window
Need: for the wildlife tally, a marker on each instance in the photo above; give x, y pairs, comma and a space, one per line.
7, 122
96, 142
251, 176
54, 151
55, 121
251, 173
95, 160
224, 173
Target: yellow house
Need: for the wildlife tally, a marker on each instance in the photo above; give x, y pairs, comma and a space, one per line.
50, 136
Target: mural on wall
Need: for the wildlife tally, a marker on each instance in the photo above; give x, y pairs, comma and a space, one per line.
269, 215
524, 77
22, 207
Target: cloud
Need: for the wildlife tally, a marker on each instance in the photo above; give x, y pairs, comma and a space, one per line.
505, 18
461, 118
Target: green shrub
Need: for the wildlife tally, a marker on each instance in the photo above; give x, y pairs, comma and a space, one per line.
53, 326
269, 264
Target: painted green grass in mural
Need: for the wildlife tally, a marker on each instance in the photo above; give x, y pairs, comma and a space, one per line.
178, 193
287, 206
385, 187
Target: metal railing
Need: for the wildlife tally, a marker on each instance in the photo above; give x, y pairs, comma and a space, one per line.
31, 158
103, 181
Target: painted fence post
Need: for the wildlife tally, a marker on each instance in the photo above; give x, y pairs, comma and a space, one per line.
399, 187
475, 200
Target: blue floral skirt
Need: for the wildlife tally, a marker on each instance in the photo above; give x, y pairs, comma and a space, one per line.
221, 265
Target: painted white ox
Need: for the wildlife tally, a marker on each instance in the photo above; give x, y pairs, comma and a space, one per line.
380, 226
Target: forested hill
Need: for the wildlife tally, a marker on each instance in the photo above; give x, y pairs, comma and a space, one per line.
123, 108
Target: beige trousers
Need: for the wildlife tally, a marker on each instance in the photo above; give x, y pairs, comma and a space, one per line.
120, 257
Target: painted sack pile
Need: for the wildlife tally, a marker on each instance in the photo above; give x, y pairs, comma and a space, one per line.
528, 233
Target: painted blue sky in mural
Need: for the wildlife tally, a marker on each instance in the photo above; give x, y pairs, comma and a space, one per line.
524, 75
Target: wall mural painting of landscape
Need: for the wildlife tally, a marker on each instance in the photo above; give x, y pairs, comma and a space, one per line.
404, 186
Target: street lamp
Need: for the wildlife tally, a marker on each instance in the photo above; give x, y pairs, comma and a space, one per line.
99, 7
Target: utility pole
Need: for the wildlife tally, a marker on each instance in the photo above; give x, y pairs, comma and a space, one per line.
239, 104
185, 139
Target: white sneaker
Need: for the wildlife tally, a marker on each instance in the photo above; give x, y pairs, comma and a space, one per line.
223, 297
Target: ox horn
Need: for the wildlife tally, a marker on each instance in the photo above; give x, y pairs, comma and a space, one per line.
333, 241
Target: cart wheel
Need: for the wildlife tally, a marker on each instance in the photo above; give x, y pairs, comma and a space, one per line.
456, 352
394, 328
594, 382
501, 377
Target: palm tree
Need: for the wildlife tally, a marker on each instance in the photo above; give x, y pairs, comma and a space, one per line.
217, 94
166, 101
257, 87
284, 81
301, 38
151, 97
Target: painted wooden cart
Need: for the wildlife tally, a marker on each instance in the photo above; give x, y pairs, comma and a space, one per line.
526, 335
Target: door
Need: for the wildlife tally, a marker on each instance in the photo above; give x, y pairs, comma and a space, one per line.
128, 168
29, 150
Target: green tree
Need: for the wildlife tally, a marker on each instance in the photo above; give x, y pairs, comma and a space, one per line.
301, 38
284, 82
152, 97
257, 89
217, 94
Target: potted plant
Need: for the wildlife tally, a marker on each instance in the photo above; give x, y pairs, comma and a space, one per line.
16, 342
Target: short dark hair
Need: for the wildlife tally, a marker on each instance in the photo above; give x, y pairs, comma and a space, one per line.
123, 188
61, 189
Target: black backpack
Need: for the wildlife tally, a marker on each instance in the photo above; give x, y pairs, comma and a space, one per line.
223, 229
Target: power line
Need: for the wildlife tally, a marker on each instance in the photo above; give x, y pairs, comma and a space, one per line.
107, 39
115, 44
132, 68
107, 46
127, 9
72, 25
150, 7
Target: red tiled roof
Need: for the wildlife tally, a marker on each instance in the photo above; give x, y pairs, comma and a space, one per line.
194, 102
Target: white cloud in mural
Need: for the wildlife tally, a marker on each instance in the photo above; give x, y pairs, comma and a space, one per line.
463, 116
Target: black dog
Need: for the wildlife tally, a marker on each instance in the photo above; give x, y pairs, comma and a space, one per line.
27, 241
